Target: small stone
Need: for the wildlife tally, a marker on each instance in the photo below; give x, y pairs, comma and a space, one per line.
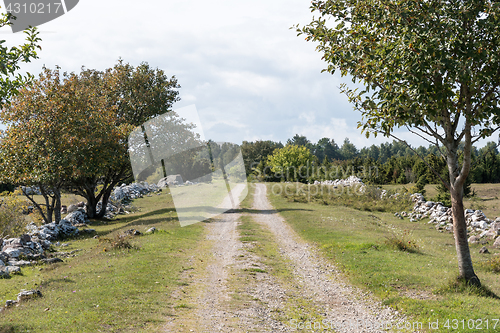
51, 260
474, 239
10, 303
496, 244
72, 208
484, 249
4, 273
13, 269
495, 226
20, 263
133, 232
28, 294
25, 238
13, 253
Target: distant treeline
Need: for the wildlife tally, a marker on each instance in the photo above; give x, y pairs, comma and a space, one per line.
387, 163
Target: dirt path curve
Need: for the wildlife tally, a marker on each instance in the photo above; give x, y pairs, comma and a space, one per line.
343, 305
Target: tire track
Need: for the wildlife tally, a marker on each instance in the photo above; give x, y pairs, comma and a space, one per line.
343, 305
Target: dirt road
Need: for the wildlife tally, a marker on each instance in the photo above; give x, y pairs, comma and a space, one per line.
214, 284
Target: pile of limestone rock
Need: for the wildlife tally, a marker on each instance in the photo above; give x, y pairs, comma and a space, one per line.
25, 250
29, 249
133, 191
350, 181
112, 210
480, 228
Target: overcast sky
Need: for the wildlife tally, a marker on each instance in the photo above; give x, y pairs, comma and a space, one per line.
239, 62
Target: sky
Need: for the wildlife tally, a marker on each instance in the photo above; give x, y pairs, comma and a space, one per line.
248, 74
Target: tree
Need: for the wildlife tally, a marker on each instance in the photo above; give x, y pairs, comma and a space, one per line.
348, 150
256, 153
10, 59
299, 140
58, 129
326, 148
136, 95
292, 162
429, 66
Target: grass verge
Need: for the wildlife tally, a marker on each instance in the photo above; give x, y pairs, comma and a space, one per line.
126, 289
417, 283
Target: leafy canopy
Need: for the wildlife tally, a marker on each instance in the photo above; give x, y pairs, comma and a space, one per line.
295, 161
424, 64
10, 59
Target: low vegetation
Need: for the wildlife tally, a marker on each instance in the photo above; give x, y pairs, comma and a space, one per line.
368, 198
118, 242
421, 283
493, 264
402, 241
125, 288
12, 215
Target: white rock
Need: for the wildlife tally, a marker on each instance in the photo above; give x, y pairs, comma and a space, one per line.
77, 217
12, 269
13, 253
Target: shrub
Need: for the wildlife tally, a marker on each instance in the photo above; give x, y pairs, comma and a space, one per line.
403, 242
118, 242
420, 185
367, 198
12, 219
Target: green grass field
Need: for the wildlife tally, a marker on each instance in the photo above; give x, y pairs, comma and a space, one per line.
420, 284
131, 290
102, 289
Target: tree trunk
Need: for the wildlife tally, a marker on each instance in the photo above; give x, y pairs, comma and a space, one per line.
57, 206
457, 181
105, 199
48, 204
91, 205
460, 232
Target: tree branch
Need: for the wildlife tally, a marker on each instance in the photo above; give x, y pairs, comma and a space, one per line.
418, 134
37, 206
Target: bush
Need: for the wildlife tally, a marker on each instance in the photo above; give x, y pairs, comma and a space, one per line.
118, 242
402, 242
459, 285
420, 185
13, 221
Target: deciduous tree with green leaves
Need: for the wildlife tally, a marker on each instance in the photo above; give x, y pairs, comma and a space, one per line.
135, 94
58, 129
431, 66
294, 163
